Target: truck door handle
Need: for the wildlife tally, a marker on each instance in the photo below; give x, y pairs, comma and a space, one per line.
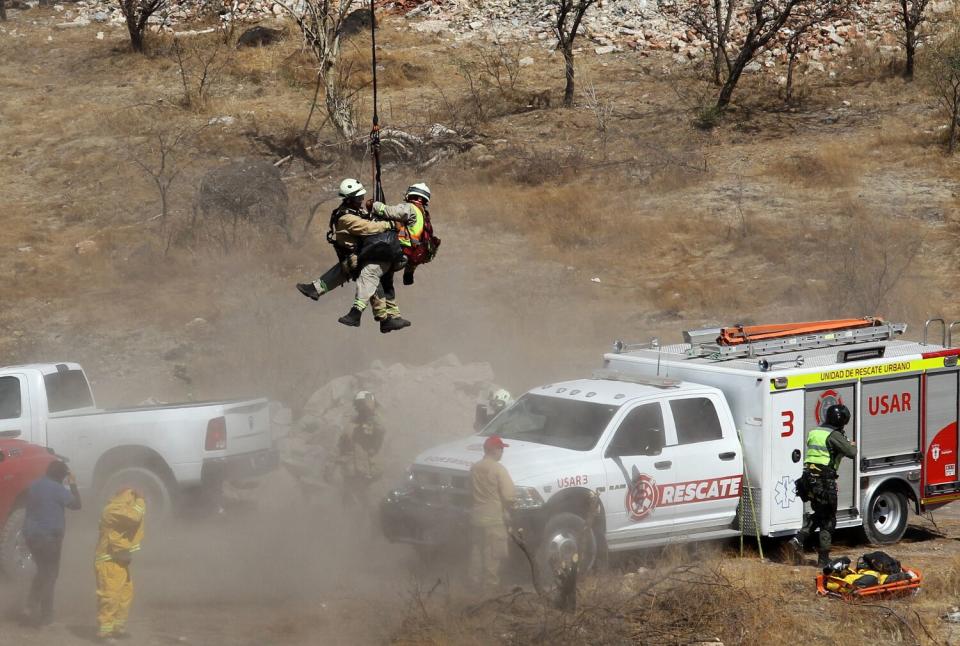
665, 464
729, 455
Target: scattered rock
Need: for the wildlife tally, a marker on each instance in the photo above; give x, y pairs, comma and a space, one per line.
260, 36
606, 49
85, 247
226, 120
526, 61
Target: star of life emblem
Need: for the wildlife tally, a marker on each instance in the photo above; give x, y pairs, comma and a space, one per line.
784, 494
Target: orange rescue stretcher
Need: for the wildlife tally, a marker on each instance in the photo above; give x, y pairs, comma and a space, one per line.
832, 586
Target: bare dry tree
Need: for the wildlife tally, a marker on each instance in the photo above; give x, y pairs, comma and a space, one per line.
711, 20
735, 43
569, 17
321, 22
137, 13
912, 13
807, 17
3, 10
943, 76
602, 112
201, 64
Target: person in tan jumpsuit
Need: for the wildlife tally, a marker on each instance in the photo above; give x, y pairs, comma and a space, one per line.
493, 496
357, 451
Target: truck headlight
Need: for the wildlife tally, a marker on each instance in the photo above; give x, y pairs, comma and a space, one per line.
527, 498
404, 489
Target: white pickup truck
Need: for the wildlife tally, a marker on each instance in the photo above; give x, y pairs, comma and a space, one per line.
704, 440
163, 451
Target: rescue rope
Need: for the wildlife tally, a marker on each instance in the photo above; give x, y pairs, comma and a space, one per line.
376, 169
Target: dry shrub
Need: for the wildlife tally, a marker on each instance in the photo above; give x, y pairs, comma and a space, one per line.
867, 259
529, 166
866, 63
700, 600
831, 165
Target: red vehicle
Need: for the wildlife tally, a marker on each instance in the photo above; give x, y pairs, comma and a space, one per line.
20, 464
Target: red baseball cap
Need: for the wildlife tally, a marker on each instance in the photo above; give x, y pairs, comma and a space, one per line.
494, 442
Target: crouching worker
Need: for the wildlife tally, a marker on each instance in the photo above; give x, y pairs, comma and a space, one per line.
121, 530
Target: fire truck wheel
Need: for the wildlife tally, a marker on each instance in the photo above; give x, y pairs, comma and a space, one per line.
886, 517
564, 535
15, 560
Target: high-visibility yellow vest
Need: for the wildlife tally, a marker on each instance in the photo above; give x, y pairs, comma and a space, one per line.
817, 450
411, 234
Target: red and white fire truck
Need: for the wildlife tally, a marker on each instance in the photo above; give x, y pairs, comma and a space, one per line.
704, 439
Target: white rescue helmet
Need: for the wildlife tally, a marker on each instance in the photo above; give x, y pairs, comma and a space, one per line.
420, 190
363, 396
500, 399
351, 188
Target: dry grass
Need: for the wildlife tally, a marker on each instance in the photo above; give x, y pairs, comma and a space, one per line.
729, 600
832, 165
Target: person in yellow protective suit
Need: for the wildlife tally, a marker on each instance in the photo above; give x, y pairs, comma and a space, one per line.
121, 531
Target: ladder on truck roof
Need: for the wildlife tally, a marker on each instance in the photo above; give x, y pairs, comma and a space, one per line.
740, 341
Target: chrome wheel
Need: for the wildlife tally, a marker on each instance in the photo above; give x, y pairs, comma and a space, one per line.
887, 513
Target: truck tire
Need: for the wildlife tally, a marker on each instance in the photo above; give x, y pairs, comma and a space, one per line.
15, 560
886, 519
156, 492
562, 536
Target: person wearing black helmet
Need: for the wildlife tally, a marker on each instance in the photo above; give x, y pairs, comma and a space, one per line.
826, 447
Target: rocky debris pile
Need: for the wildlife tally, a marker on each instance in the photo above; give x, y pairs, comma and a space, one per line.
421, 406
638, 25
85, 12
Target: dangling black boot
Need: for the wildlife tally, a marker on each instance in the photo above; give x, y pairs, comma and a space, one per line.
351, 318
393, 324
308, 290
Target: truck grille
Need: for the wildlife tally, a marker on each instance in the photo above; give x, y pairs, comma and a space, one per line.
440, 487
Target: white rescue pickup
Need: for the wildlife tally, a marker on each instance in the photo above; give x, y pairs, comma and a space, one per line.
163, 451
661, 455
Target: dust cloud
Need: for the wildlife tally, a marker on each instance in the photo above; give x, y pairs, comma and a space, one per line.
281, 566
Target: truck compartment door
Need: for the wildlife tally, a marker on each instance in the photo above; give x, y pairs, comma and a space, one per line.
890, 422
940, 432
787, 447
15, 418
817, 400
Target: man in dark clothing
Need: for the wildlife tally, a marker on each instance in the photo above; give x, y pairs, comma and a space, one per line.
826, 448
43, 530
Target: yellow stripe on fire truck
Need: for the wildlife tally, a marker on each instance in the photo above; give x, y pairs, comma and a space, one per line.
856, 373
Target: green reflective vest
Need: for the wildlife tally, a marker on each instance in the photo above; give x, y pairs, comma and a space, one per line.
817, 450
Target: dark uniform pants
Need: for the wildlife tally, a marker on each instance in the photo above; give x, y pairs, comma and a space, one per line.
823, 501
45, 551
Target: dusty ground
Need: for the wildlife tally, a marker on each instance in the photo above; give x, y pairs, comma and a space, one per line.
776, 214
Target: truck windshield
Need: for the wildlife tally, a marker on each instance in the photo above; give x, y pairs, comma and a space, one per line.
567, 423
67, 390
